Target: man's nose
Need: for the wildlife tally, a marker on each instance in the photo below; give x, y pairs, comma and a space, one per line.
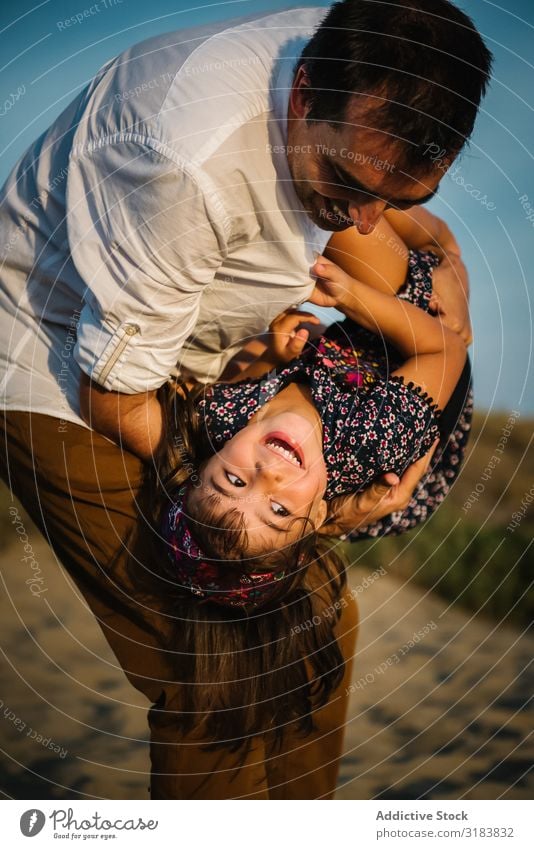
367, 215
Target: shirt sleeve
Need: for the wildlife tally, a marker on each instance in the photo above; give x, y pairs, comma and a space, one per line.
146, 236
391, 426
455, 425
404, 423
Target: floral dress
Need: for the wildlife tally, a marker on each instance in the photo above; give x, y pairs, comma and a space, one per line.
372, 422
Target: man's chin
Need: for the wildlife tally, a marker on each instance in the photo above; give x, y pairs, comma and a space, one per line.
325, 224
326, 219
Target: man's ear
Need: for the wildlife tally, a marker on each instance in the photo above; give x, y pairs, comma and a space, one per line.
299, 98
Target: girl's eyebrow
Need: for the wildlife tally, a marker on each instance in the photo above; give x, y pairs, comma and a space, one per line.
213, 483
274, 527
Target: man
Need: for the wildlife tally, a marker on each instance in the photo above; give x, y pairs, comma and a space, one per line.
166, 217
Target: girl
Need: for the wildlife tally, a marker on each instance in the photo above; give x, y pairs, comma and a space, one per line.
258, 472
291, 439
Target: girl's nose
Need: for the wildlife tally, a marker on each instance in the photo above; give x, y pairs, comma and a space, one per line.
273, 469
271, 472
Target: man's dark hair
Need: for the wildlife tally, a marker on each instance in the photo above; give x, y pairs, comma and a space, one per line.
422, 61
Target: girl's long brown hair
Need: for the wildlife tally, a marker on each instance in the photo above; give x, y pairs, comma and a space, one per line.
239, 674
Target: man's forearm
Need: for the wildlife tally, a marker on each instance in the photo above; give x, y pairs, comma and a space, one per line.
133, 421
141, 429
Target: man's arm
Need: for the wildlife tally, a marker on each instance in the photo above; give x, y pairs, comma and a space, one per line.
133, 421
146, 237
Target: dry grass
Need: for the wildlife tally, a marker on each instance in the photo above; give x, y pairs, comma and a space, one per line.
467, 553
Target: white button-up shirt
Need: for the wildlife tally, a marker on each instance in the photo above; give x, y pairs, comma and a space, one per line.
155, 224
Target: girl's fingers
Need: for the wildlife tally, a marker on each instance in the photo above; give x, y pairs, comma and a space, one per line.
321, 266
335, 279
308, 317
298, 340
326, 267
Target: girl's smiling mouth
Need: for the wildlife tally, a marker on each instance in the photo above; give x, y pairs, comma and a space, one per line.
284, 446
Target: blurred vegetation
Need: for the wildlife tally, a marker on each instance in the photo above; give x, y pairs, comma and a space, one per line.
466, 553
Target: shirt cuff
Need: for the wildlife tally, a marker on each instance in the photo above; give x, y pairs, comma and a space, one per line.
102, 354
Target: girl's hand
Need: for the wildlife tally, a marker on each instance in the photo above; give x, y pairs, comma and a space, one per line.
329, 292
336, 288
286, 337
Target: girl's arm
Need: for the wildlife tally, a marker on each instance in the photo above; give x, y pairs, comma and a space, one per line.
421, 230
434, 354
381, 260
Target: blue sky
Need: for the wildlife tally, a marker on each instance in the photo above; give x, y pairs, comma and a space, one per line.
485, 199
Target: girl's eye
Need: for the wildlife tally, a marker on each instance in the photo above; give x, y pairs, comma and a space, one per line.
234, 480
278, 509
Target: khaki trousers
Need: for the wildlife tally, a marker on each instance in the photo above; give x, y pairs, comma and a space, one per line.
80, 490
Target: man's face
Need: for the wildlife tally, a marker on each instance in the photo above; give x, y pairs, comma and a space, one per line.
348, 175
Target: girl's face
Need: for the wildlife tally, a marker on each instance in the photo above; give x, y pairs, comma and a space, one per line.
273, 471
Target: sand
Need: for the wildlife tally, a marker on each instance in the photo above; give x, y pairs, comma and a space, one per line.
440, 708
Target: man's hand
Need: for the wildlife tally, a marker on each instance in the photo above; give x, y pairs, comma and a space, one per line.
450, 298
386, 495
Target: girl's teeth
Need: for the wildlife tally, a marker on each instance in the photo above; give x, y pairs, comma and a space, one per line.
284, 452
